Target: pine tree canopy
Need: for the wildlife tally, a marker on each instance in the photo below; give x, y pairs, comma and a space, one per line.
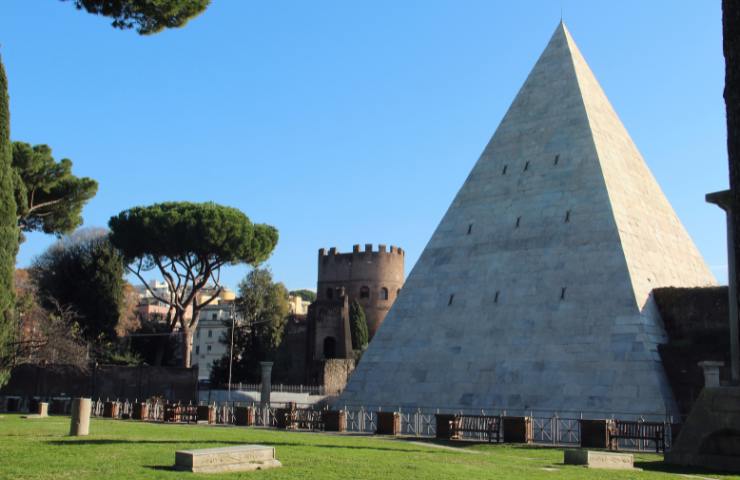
48, 197
214, 234
146, 16
188, 243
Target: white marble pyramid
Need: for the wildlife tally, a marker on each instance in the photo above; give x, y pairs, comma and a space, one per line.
534, 291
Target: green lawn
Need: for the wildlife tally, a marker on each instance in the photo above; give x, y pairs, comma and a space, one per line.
120, 449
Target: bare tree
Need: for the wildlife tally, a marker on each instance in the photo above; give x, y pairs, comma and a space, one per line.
51, 337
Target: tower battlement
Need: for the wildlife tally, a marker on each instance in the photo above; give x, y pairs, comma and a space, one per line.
333, 253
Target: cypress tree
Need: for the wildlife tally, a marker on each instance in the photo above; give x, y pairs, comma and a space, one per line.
8, 233
358, 326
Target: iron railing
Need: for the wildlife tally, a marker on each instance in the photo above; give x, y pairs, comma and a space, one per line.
547, 428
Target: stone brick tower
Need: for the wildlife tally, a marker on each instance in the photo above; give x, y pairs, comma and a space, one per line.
373, 278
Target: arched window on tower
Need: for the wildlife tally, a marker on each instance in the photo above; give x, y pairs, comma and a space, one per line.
364, 292
384, 293
329, 293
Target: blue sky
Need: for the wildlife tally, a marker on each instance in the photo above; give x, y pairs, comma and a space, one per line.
350, 122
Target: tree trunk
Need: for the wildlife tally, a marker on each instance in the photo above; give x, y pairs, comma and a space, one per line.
187, 347
192, 326
186, 337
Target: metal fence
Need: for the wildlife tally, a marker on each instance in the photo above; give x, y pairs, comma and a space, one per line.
556, 430
546, 429
277, 387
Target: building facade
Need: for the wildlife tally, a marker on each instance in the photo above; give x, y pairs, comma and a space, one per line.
209, 341
213, 323
297, 305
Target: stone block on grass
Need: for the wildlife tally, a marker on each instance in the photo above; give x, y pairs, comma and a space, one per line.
241, 458
592, 459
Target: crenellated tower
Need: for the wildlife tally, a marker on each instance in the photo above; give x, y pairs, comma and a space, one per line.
373, 278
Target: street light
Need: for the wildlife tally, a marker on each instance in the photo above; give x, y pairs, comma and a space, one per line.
231, 350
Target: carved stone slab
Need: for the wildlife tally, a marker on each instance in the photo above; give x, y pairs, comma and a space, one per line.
592, 459
226, 459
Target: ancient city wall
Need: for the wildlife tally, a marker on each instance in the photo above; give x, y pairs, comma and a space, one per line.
105, 381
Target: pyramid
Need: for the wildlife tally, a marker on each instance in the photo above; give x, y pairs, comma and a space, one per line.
534, 292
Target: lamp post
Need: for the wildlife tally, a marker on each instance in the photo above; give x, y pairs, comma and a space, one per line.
231, 349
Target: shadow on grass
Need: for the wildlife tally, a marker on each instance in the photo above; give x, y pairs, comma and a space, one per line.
464, 444
458, 444
663, 467
195, 443
111, 441
163, 468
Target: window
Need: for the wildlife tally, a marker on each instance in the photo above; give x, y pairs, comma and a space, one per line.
567, 216
329, 293
495, 297
208, 348
214, 317
197, 333
470, 228
384, 293
364, 292
557, 159
526, 166
452, 297
197, 349
210, 333
562, 293
518, 221
503, 172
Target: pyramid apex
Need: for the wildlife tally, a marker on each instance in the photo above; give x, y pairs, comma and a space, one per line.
562, 30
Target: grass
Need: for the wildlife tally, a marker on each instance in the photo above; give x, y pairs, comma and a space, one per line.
118, 449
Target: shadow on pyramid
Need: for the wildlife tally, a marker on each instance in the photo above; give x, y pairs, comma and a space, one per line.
534, 292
